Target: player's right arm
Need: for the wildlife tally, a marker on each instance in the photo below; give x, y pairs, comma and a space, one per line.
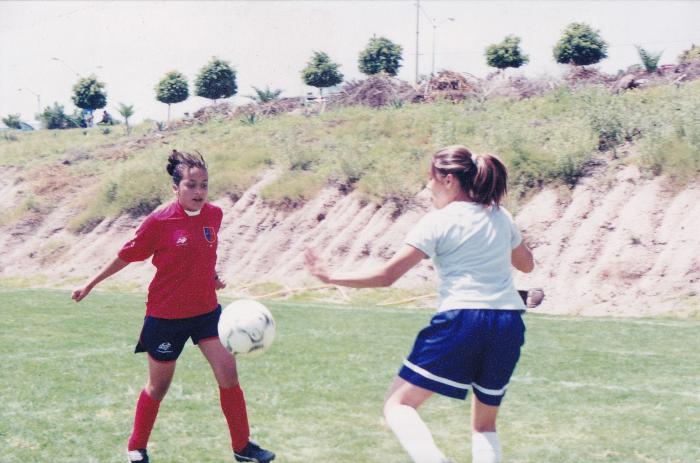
116, 265
139, 248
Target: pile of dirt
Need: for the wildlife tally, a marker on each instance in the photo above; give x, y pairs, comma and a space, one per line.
451, 86
219, 110
517, 87
270, 108
375, 91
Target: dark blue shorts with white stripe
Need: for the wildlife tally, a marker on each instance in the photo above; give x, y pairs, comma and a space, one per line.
467, 348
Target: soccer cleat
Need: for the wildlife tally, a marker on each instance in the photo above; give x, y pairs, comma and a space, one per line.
137, 456
254, 453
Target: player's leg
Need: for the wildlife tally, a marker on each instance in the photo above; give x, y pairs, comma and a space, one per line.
163, 340
486, 447
436, 364
160, 375
501, 351
233, 404
400, 404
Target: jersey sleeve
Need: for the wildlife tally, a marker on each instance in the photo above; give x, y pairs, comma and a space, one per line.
218, 217
424, 235
143, 244
515, 236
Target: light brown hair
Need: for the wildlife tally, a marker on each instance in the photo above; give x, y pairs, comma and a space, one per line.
483, 177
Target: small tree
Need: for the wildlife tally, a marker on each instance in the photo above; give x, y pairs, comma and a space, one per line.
380, 55
321, 72
266, 95
649, 60
126, 111
172, 88
12, 121
580, 45
506, 54
217, 79
56, 118
89, 94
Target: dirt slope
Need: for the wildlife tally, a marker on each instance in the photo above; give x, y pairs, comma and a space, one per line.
618, 244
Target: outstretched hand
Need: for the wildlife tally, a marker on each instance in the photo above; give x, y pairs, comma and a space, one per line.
79, 294
315, 266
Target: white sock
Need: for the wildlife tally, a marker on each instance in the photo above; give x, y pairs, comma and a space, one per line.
413, 434
486, 447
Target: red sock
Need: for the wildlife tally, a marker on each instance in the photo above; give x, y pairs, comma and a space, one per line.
146, 412
233, 406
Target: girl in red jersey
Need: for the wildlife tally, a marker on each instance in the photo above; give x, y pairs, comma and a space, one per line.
182, 303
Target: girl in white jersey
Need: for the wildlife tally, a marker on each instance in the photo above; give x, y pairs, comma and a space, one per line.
474, 340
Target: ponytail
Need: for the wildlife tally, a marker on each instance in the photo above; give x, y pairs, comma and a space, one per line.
178, 161
491, 180
483, 177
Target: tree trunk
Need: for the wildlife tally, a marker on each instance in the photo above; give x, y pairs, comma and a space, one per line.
168, 114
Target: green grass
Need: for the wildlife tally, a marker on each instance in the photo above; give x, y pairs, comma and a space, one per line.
585, 390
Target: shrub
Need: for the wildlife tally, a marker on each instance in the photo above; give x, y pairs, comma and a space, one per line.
649, 60
12, 121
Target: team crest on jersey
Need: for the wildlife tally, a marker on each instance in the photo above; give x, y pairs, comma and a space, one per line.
210, 234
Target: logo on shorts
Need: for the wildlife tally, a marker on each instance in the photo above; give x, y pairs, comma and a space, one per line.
210, 234
165, 348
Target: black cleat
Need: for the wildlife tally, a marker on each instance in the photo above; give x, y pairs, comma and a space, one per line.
137, 456
254, 453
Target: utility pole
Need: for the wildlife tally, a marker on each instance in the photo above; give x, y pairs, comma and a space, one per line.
417, 33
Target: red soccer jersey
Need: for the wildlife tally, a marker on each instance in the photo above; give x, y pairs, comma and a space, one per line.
184, 254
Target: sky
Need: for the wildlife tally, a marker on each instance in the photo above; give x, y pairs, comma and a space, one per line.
45, 46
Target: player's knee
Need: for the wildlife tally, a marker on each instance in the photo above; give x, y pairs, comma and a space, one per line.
157, 389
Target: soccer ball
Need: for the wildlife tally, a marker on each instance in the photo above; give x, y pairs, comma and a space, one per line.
246, 327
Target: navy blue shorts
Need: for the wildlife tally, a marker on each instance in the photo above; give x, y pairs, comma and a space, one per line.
164, 338
467, 348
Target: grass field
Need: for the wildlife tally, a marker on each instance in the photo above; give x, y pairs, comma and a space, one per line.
586, 390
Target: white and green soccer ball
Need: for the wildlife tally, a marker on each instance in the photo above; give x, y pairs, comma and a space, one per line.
246, 328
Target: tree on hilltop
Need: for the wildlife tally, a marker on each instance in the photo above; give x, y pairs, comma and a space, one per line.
321, 72
380, 55
89, 94
580, 45
217, 79
172, 88
506, 54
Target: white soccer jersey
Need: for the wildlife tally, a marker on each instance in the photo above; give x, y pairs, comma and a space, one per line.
470, 246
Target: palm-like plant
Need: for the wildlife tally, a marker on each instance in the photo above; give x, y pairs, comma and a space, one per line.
649, 60
126, 111
266, 95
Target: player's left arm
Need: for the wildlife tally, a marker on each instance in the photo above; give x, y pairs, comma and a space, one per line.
384, 275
